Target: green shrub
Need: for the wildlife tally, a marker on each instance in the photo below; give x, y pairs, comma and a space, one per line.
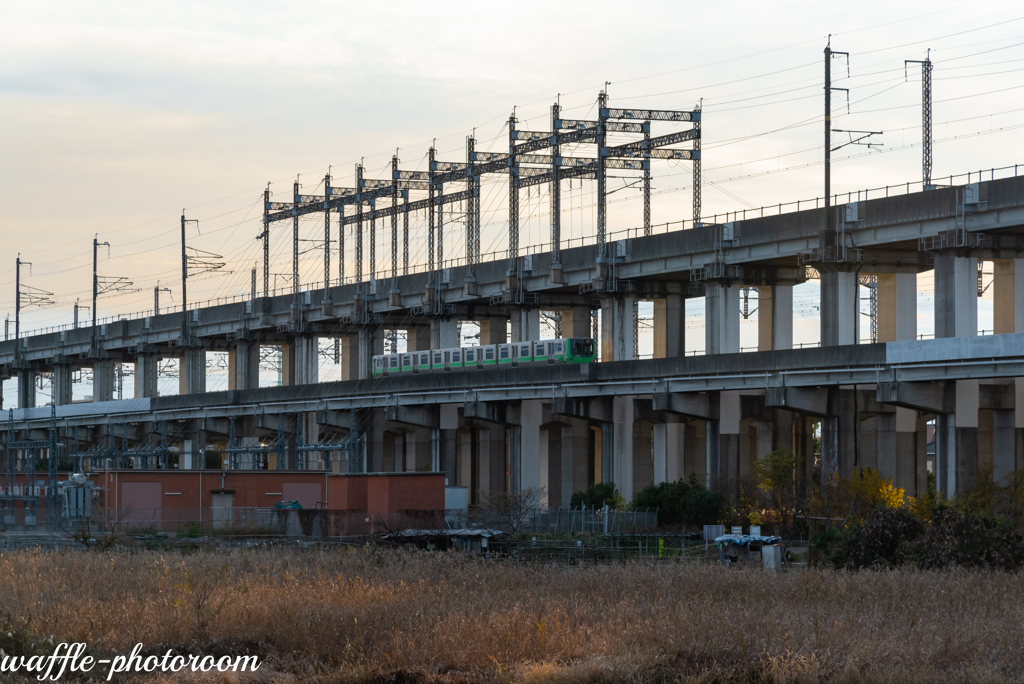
596, 495
959, 539
884, 541
682, 503
893, 537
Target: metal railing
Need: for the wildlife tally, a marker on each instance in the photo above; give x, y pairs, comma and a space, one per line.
554, 520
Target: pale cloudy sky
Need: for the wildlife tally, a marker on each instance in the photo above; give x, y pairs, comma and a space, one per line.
116, 115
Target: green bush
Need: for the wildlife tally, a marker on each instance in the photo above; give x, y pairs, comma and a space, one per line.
960, 539
596, 495
682, 503
893, 537
884, 541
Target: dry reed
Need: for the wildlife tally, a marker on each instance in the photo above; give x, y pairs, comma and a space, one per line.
372, 615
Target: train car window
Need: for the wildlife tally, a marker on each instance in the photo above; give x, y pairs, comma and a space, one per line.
425, 359
488, 355
394, 361
456, 357
525, 351
504, 352
438, 359
470, 355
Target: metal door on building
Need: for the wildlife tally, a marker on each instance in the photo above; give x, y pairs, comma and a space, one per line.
223, 510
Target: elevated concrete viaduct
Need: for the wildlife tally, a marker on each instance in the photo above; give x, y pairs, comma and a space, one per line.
633, 422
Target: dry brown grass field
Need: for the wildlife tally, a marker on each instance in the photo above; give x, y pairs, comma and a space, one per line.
392, 616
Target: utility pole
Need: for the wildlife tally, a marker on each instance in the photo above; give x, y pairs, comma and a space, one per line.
17, 306
96, 244
265, 236
359, 224
556, 192
341, 245
602, 181
513, 199
697, 177
647, 188
295, 245
431, 211
926, 117
327, 239
394, 222
829, 54
184, 282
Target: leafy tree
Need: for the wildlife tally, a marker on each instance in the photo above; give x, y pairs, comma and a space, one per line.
597, 495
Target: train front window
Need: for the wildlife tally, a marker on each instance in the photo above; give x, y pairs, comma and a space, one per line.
582, 347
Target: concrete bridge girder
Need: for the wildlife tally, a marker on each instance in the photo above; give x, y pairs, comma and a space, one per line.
812, 401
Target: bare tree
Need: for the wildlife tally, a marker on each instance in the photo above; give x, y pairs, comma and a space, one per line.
511, 509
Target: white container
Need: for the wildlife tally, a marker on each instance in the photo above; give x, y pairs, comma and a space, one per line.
771, 554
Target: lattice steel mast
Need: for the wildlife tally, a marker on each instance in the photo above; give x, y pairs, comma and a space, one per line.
926, 116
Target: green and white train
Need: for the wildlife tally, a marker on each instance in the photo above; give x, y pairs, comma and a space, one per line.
488, 357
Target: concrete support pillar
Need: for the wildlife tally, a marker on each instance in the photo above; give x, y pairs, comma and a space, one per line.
622, 458
300, 361
533, 447
728, 432
191, 372
371, 343
956, 296
576, 322
896, 449
417, 450
897, 306
61, 385
1004, 445
492, 459
1008, 305
244, 366
774, 317
447, 439
617, 329
1008, 296
103, 380
956, 315
493, 331
896, 437
350, 358
669, 442
444, 334
418, 338
721, 318
670, 326
27, 389
840, 309
464, 461
525, 324
146, 369
567, 477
